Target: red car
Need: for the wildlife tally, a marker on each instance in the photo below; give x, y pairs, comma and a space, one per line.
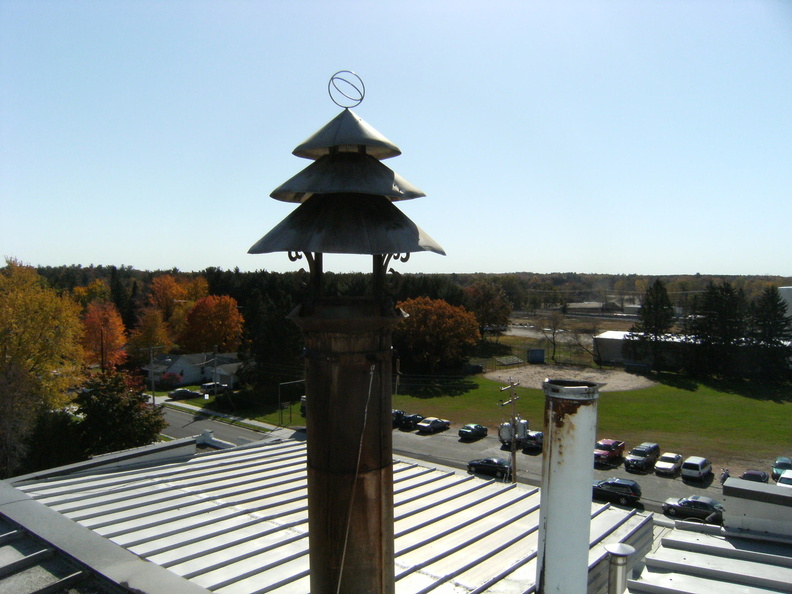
608, 451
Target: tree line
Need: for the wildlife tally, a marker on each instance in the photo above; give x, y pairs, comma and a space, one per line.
720, 333
64, 327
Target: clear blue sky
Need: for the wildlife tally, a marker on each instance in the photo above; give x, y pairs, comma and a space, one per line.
649, 137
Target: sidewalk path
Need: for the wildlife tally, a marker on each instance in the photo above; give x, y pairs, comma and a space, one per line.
272, 431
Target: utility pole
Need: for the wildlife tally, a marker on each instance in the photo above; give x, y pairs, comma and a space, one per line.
150, 349
513, 401
214, 376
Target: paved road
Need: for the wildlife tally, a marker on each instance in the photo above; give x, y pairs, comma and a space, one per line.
446, 449
187, 424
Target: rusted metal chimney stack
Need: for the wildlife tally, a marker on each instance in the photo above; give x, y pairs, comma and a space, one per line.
346, 206
570, 430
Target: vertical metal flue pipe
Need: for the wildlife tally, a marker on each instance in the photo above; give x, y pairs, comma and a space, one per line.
350, 454
618, 555
570, 430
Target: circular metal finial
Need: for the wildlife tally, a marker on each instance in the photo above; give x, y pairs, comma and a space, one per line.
346, 91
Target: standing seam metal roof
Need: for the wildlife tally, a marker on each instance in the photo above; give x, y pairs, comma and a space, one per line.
237, 521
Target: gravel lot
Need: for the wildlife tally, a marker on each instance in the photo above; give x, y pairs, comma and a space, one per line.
532, 376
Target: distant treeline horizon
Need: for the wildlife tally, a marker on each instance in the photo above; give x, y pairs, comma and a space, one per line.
525, 290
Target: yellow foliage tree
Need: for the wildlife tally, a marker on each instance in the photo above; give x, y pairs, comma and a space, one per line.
96, 290
40, 355
149, 336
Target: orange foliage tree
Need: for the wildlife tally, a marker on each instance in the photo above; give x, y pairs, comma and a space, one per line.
105, 335
175, 297
166, 292
436, 335
214, 322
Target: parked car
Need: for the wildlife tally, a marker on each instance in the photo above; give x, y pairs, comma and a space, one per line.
785, 480
669, 464
696, 506
410, 422
608, 451
781, 464
184, 393
433, 425
622, 491
497, 467
472, 431
759, 476
696, 467
398, 415
213, 388
642, 458
534, 440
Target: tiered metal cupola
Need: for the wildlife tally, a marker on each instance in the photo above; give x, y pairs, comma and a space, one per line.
346, 206
346, 200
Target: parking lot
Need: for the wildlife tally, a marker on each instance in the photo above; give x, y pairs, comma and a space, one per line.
447, 449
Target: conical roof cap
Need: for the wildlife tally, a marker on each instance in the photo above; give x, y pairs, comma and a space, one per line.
347, 132
346, 172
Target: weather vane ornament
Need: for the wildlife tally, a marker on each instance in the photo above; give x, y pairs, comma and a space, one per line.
346, 89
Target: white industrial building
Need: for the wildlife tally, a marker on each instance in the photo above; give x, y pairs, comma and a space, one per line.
786, 295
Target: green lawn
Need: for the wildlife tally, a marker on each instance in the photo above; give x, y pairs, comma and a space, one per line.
727, 423
731, 423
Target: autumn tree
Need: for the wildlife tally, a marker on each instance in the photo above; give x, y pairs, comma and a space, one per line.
150, 335
116, 415
489, 304
175, 297
105, 335
96, 290
165, 292
214, 322
40, 355
436, 335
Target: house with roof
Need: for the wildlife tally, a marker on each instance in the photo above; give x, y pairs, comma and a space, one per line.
195, 368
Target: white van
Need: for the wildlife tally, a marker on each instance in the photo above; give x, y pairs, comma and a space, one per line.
696, 467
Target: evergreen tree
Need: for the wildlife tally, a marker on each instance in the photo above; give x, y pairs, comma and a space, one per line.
770, 334
647, 338
272, 344
717, 331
